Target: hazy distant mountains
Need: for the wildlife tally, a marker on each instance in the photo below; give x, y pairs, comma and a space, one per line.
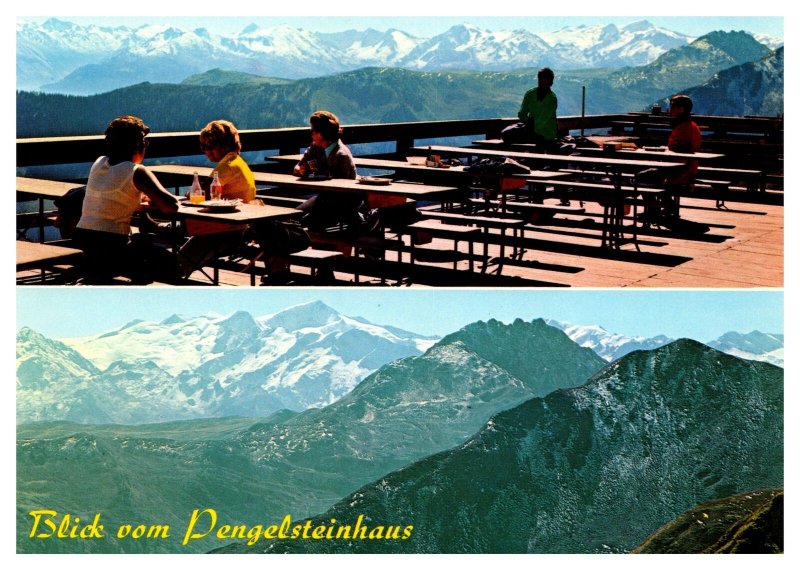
59, 56
592, 469
754, 345
211, 366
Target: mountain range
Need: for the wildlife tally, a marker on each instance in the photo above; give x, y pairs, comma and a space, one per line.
292, 463
60, 56
209, 366
753, 88
665, 429
381, 94
592, 469
754, 345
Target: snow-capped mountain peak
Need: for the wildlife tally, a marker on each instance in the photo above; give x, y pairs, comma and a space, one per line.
611, 346
59, 56
208, 365
307, 315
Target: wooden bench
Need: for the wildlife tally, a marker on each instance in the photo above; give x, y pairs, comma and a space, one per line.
316, 259
282, 201
516, 225
719, 188
38, 189
715, 182
531, 211
615, 200
423, 231
753, 179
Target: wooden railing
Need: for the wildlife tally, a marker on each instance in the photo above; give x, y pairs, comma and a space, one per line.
766, 131
68, 150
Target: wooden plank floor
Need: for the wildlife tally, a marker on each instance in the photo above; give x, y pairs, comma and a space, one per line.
743, 249
751, 256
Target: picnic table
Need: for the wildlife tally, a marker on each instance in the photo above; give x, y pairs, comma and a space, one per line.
43, 256
611, 164
456, 174
243, 214
30, 189
377, 196
614, 197
661, 155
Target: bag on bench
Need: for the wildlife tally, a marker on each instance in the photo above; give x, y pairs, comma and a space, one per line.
282, 238
500, 166
70, 206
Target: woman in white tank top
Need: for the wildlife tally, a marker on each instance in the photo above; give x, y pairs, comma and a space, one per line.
113, 193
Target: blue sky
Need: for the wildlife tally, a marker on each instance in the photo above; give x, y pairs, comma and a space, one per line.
702, 315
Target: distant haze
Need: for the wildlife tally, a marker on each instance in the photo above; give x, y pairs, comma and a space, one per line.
428, 26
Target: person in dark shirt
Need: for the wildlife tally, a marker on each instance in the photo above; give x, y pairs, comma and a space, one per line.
328, 157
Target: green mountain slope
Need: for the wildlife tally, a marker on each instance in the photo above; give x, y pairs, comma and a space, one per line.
587, 470
221, 77
299, 464
749, 523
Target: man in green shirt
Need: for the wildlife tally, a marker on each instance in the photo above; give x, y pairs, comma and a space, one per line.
537, 113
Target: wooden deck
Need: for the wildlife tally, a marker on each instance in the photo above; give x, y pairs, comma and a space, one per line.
750, 256
743, 249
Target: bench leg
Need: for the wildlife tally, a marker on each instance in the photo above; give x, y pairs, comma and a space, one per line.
485, 249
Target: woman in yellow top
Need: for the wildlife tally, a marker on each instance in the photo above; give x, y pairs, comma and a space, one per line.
219, 140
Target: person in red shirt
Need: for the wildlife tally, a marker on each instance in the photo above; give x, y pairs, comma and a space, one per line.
685, 138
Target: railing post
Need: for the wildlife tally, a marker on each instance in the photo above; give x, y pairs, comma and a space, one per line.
404, 144
494, 131
284, 150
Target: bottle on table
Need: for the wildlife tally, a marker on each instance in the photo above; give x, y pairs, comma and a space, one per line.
196, 194
216, 187
430, 160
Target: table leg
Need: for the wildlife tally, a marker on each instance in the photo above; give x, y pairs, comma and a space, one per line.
41, 223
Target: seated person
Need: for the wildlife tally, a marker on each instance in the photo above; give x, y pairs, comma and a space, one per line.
327, 156
219, 140
537, 114
113, 193
684, 138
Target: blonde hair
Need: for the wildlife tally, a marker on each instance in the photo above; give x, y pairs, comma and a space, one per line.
221, 134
